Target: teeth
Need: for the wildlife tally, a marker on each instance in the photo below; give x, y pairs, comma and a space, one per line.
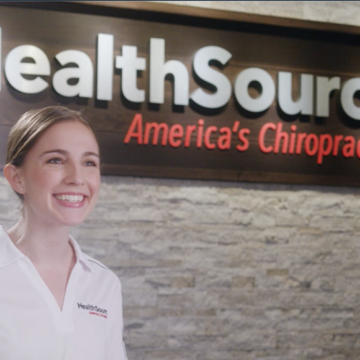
70, 198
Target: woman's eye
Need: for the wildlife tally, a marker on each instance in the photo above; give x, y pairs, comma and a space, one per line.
90, 163
55, 161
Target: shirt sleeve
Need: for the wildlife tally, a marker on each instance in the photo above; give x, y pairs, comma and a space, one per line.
115, 347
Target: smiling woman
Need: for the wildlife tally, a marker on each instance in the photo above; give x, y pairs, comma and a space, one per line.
62, 164
50, 289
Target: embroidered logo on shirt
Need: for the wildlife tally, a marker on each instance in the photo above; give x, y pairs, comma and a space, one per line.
93, 310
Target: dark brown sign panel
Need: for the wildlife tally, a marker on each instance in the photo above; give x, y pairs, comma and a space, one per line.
272, 104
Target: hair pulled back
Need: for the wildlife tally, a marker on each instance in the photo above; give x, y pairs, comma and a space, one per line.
32, 125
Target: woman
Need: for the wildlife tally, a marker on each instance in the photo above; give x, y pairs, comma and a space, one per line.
56, 303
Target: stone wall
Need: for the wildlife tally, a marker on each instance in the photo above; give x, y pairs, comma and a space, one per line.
338, 12
231, 271
226, 271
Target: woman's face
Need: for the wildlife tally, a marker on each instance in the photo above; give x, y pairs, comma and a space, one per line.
61, 175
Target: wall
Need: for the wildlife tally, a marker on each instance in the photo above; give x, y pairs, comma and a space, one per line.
215, 270
338, 12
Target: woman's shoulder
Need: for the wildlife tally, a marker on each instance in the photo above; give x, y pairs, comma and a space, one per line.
99, 270
97, 264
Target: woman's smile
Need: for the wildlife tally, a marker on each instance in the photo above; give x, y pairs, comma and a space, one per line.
70, 200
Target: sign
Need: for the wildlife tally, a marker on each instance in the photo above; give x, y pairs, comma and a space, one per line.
248, 103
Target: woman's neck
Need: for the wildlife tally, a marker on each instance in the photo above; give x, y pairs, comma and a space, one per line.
40, 243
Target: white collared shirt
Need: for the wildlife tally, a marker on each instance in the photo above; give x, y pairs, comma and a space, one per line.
32, 326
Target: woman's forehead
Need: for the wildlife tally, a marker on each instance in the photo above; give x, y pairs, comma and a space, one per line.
67, 135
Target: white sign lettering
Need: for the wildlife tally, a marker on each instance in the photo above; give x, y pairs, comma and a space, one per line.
70, 81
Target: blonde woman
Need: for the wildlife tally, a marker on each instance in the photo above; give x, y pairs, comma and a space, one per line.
56, 303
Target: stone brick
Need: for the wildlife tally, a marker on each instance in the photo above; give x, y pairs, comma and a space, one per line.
183, 282
140, 312
278, 272
243, 282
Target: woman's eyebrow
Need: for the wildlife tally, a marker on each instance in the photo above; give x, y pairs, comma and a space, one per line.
64, 152
89, 153
59, 151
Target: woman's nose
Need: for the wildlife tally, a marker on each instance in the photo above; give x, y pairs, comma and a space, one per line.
74, 175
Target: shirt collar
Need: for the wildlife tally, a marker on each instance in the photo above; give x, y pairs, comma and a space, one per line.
80, 257
9, 253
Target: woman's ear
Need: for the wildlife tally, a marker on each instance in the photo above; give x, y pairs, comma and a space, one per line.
12, 174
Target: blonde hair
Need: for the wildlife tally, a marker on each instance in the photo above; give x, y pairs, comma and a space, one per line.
24, 134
